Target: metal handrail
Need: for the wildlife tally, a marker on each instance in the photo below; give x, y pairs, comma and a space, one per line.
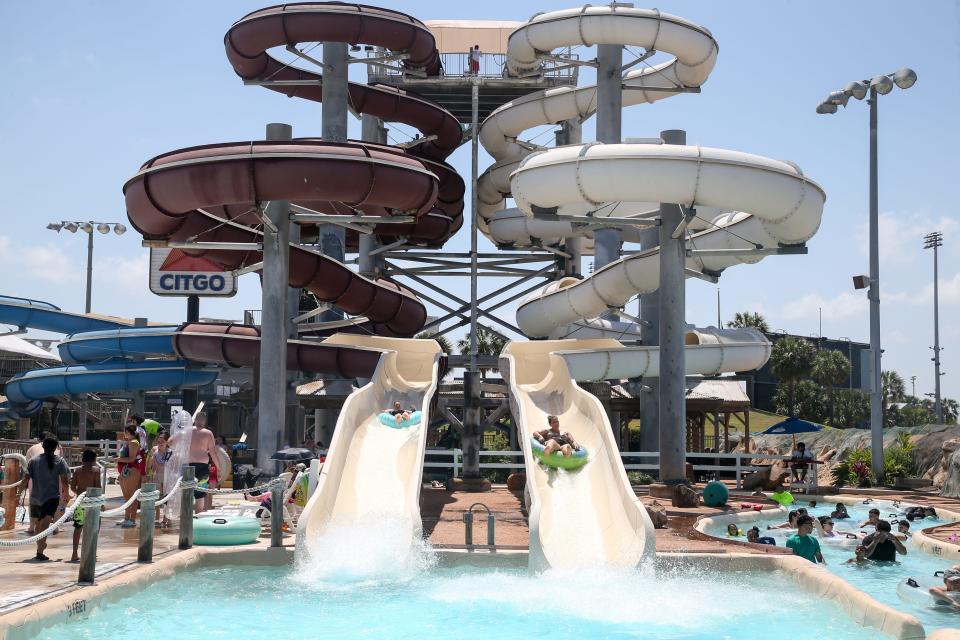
741, 462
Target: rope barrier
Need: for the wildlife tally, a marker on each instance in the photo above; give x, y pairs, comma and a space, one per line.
122, 508
260, 487
68, 513
165, 499
4, 487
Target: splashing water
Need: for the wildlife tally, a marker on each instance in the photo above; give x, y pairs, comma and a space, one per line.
370, 550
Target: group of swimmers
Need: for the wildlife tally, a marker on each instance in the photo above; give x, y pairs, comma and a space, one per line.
882, 545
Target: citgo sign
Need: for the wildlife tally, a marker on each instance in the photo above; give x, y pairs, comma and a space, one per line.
174, 273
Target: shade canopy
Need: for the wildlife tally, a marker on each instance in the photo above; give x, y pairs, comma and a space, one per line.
790, 426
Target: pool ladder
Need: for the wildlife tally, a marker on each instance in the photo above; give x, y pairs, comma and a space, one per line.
468, 525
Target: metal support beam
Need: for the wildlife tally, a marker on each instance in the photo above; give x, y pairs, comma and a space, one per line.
332, 239
368, 263
250, 268
275, 278
474, 212
672, 409
607, 242
571, 132
746, 253
190, 394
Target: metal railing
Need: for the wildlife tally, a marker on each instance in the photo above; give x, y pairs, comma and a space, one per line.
640, 461
457, 65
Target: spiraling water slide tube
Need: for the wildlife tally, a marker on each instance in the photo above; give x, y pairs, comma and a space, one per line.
591, 515
213, 193
108, 355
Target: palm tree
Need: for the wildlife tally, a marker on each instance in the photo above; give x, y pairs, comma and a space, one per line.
746, 319
893, 387
441, 340
489, 342
791, 361
830, 368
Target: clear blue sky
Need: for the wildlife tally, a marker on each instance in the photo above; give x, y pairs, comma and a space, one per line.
93, 89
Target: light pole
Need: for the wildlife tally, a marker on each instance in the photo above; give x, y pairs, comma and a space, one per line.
87, 227
933, 241
878, 86
913, 386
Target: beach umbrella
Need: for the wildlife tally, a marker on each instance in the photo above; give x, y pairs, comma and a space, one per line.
791, 426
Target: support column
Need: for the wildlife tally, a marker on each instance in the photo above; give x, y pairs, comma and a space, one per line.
650, 330
570, 132
672, 412
191, 395
372, 130
271, 410
472, 412
23, 429
334, 129
606, 242
293, 416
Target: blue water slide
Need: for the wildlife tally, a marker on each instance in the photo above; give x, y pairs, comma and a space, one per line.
34, 314
138, 342
116, 376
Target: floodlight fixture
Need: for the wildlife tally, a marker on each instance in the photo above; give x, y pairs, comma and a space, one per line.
905, 78
55, 226
856, 90
882, 84
826, 107
70, 226
103, 228
86, 227
119, 229
838, 98
861, 282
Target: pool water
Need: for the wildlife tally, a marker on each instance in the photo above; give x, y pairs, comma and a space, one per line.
880, 580
244, 602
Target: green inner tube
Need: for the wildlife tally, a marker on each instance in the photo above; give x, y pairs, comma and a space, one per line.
557, 460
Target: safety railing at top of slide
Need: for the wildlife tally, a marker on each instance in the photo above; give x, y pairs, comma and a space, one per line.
741, 463
92, 502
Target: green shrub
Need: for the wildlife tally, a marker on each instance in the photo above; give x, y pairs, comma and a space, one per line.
854, 471
639, 477
898, 460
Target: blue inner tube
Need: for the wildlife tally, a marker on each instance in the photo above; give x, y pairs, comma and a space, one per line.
225, 530
389, 420
557, 460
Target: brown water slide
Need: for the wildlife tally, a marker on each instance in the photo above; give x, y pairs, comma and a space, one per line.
213, 193
249, 39
237, 345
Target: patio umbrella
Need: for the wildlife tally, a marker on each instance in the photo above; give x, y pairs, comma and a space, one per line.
293, 454
791, 426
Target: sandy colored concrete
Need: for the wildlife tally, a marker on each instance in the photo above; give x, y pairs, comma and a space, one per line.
24, 580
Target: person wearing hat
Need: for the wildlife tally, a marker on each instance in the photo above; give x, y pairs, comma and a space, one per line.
947, 594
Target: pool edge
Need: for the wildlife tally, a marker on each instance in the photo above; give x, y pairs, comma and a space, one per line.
27, 622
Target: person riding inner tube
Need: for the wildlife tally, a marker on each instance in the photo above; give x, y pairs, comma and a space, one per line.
399, 417
558, 449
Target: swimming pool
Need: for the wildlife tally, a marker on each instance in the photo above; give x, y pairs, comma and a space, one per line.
880, 580
246, 602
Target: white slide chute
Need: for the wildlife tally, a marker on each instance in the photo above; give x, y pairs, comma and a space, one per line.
738, 203
591, 516
585, 517
373, 472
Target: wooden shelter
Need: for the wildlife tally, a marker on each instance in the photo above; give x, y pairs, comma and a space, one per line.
711, 405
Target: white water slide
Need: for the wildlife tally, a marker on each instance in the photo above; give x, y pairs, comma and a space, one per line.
590, 515
374, 471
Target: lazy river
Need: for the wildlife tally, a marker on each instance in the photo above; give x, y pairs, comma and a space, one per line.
879, 580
